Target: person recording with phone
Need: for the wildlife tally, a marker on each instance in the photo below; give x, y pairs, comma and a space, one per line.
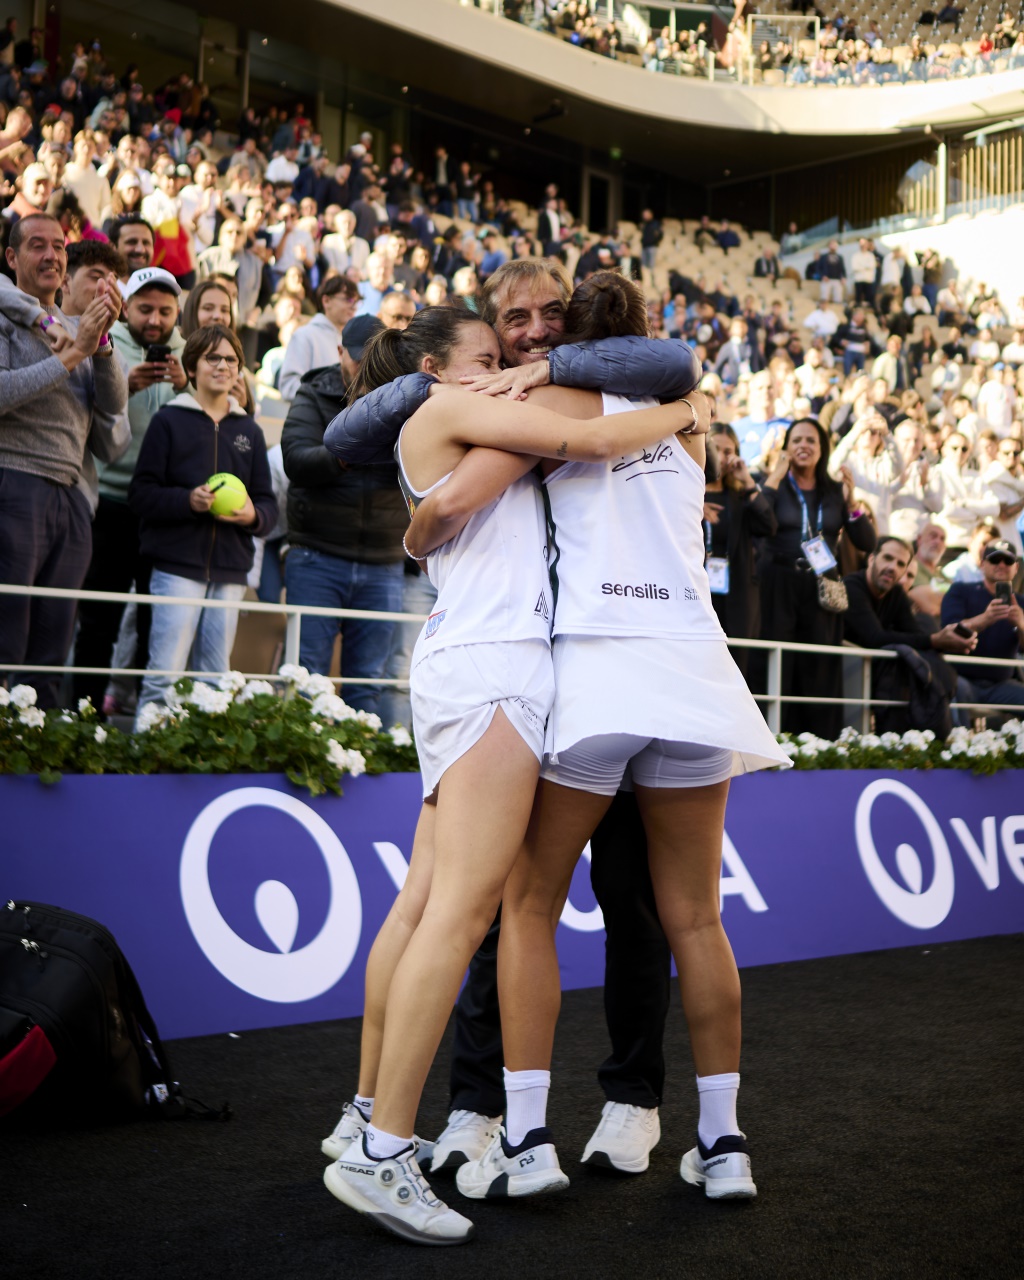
992, 611
148, 344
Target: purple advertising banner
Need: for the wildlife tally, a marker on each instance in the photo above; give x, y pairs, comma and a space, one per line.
241, 902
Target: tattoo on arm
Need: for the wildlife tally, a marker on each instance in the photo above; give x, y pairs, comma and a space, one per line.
563, 449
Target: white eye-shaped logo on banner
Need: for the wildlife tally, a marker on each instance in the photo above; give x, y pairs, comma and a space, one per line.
920, 909
286, 977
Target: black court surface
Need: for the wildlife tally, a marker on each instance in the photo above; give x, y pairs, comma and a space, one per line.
882, 1095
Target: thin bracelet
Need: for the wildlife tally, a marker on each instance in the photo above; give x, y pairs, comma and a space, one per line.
686, 431
405, 548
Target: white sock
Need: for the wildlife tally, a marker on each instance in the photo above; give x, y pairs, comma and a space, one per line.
363, 1105
717, 1106
526, 1106
381, 1145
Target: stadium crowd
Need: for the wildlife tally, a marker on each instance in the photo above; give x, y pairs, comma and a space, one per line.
873, 409
844, 50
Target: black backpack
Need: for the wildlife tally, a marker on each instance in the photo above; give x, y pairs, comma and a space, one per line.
76, 1039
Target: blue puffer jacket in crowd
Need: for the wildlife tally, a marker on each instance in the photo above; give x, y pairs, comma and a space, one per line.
366, 431
182, 448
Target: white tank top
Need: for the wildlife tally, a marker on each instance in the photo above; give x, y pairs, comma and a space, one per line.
491, 578
628, 547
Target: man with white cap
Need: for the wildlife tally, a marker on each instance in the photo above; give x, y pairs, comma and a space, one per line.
148, 329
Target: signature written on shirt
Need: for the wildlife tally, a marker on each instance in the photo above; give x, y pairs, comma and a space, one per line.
647, 462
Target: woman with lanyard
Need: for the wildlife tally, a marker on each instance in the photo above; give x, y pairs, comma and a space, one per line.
643, 684
735, 513
481, 690
811, 510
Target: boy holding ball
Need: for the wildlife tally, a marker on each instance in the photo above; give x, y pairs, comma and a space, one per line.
200, 548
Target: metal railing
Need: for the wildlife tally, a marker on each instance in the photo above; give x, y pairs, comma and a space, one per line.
772, 700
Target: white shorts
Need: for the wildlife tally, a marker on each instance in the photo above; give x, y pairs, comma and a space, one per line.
600, 765
686, 691
455, 692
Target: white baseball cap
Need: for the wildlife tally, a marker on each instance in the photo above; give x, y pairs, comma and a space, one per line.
147, 277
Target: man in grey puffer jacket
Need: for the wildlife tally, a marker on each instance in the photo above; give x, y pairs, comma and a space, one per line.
50, 403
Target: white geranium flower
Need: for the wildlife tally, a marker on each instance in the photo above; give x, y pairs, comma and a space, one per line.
947, 755
212, 701
870, 740
23, 695
890, 740
254, 688
32, 717
353, 762
790, 748
401, 736
85, 706
101, 734
849, 734
805, 737
317, 727
370, 719
808, 751
152, 716
841, 750
294, 674
316, 685
5, 697
231, 682
328, 706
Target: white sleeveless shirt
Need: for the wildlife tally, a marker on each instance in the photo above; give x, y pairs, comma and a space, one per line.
492, 577
628, 548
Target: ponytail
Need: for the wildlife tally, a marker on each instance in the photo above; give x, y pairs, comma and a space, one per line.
382, 362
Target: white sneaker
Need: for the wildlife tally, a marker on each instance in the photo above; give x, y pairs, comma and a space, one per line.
723, 1170
624, 1138
525, 1170
466, 1137
352, 1125
395, 1194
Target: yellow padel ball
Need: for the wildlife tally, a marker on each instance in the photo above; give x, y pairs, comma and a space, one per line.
229, 493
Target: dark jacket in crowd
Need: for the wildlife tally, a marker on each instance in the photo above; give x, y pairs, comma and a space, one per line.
182, 449
874, 622
1000, 640
366, 431
744, 517
357, 513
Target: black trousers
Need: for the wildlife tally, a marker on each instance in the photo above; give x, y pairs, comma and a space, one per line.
637, 989
45, 541
790, 611
116, 564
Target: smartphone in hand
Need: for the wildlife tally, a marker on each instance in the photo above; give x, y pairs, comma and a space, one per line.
158, 353
1003, 593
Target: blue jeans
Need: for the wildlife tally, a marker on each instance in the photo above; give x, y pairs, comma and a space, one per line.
852, 360
187, 637
468, 209
314, 577
989, 691
418, 596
